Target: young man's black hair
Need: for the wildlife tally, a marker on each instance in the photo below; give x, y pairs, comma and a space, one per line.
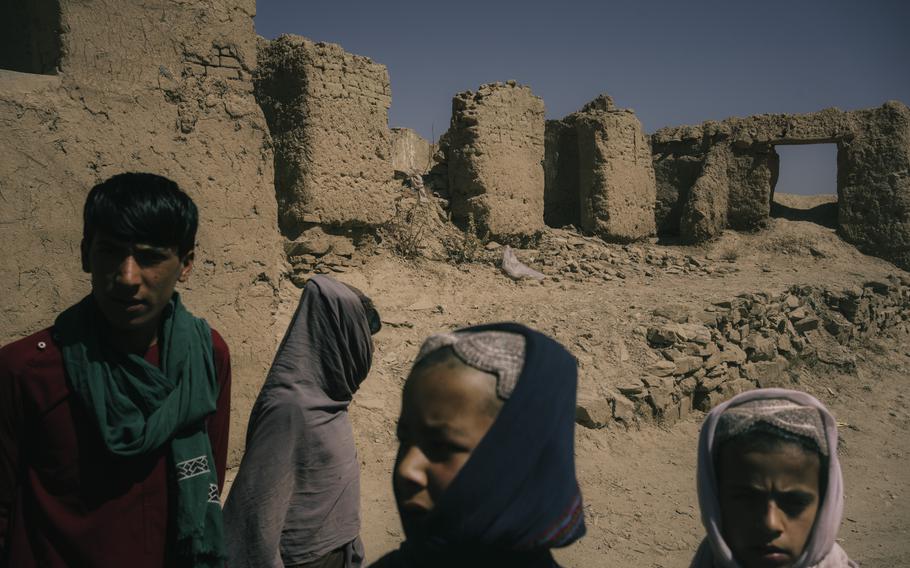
141, 208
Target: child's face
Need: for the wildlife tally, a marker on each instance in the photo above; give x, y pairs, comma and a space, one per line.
446, 410
768, 500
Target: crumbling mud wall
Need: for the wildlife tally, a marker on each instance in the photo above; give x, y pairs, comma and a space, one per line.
495, 151
327, 112
599, 173
410, 152
873, 183
164, 90
616, 188
720, 175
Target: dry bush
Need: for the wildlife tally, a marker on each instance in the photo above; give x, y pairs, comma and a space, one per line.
730, 253
464, 246
408, 231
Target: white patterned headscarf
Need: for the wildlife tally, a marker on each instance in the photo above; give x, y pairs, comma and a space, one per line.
799, 414
500, 353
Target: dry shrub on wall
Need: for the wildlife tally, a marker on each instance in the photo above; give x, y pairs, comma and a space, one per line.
419, 229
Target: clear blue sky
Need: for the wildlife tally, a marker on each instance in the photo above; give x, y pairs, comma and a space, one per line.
673, 61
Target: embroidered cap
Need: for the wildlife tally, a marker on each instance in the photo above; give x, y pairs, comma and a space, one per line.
786, 415
500, 353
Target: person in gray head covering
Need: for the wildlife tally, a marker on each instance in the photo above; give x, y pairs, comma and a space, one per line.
296, 498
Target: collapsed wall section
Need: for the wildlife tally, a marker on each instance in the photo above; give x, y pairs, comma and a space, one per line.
327, 112
495, 152
145, 90
704, 213
744, 187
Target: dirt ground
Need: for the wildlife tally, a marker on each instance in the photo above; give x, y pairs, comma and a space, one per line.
639, 483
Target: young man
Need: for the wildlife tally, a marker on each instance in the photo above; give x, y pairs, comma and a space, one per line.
114, 421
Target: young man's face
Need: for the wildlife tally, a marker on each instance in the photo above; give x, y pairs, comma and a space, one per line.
768, 501
446, 411
133, 282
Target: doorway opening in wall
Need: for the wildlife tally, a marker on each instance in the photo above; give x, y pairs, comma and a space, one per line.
30, 36
806, 188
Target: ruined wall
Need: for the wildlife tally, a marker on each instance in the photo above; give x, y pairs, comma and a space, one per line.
410, 152
327, 112
757, 340
873, 183
680, 155
616, 186
495, 154
145, 88
599, 173
704, 214
873, 174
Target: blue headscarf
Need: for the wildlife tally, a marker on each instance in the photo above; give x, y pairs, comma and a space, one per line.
517, 496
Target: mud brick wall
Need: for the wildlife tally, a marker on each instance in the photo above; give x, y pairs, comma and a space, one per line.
873, 183
140, 89
616, 185
599, 173
495, 152
327, 112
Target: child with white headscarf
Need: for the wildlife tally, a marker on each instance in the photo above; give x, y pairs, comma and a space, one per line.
769, 483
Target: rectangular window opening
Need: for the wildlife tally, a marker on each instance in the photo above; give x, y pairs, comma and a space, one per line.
806, 186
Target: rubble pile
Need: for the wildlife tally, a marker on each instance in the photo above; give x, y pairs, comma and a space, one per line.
565, 254
754, 340
318, 252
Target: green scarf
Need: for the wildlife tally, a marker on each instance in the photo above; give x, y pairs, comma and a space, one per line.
139, 408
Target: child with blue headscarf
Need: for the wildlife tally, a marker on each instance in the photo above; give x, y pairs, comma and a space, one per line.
485, 473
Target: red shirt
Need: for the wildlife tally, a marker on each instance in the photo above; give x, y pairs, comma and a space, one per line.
65, 500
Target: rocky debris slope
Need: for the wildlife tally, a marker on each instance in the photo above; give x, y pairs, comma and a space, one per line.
563, 254
700, 359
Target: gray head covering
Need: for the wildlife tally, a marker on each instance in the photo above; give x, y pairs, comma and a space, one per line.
803, 421
296, 497
500, 353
